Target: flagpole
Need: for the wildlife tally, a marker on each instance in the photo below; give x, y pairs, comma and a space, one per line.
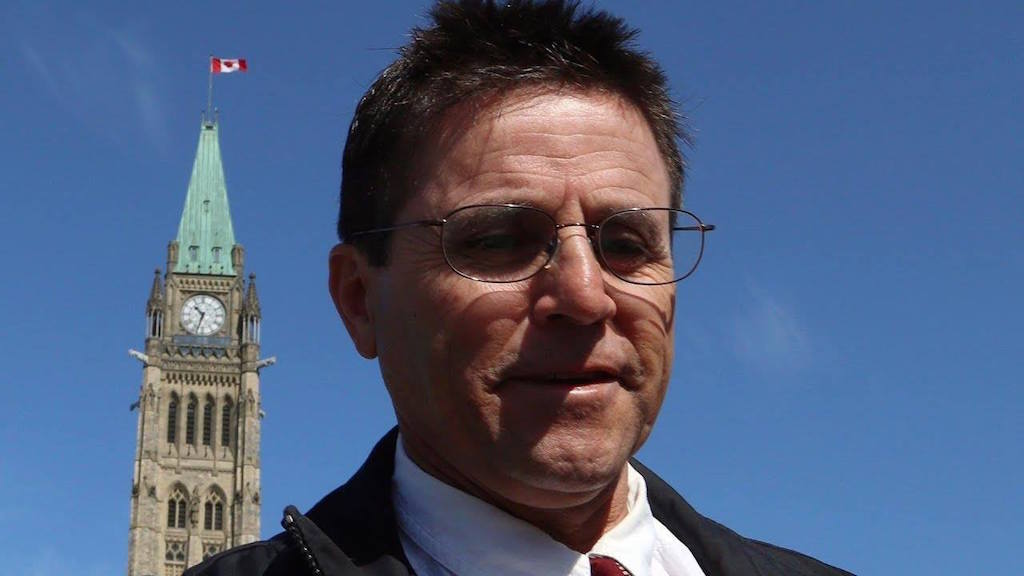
209, 93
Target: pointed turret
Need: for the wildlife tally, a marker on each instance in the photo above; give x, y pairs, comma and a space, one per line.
250, 326
206, 238
155, 308
252, 299
156, 293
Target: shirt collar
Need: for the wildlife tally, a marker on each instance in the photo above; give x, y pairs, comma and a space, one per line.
460, 531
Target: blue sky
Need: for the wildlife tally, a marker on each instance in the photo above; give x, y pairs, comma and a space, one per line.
849, 356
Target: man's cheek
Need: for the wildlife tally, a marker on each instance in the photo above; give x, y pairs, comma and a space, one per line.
488, 321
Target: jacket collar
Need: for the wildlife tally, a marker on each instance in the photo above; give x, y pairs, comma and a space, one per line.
359, 519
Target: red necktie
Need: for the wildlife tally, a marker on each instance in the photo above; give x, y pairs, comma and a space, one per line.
606, 566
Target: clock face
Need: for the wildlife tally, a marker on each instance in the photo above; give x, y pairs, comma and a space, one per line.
202, 315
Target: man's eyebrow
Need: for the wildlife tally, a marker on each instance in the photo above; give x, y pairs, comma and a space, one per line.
513, 193
528, 202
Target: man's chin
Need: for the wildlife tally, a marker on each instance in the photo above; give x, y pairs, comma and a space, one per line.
559, 479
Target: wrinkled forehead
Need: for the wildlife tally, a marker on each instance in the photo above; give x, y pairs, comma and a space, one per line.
502, 132
486, 116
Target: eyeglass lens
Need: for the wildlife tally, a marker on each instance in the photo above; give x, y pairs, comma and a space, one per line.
498, 243
511, 243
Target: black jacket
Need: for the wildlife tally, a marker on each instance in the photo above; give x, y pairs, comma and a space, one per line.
352, 532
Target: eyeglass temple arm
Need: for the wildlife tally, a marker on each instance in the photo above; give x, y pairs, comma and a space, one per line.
398, 227
701, 228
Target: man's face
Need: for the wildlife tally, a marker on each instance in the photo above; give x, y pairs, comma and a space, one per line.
533, 393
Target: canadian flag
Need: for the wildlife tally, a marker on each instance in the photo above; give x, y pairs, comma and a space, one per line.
227, 65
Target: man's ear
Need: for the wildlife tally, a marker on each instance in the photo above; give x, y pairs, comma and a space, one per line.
348, 281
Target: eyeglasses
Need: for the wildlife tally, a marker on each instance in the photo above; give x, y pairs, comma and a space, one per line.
510, 243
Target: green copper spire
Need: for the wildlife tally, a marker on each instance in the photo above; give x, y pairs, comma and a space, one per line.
205, 235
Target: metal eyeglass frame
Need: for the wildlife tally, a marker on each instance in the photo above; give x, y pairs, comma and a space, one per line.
592, 232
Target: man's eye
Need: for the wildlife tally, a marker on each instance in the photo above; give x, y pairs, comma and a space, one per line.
492, 242
625, 248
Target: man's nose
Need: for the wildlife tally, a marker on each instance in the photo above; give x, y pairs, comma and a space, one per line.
572, 285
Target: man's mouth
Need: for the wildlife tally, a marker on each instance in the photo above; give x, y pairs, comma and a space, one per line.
567, 379
579, 379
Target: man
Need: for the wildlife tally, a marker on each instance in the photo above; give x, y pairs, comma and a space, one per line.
511, 238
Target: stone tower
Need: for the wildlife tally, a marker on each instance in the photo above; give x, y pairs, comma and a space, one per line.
196, 480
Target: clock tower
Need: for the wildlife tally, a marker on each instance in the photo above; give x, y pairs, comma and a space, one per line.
196, 474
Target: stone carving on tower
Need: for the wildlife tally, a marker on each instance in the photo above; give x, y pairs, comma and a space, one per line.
196, 479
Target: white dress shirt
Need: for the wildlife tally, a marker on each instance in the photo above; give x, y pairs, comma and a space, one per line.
447, 532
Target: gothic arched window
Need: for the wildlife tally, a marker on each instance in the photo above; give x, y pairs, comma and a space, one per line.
172, 419
208, 422
172, 513
190, 420
213, 512
225, 422
177, 508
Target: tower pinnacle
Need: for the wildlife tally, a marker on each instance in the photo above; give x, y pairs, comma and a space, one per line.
205, 235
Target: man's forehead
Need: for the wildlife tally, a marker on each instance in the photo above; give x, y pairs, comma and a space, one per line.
503, 128
537, 102
511, 152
